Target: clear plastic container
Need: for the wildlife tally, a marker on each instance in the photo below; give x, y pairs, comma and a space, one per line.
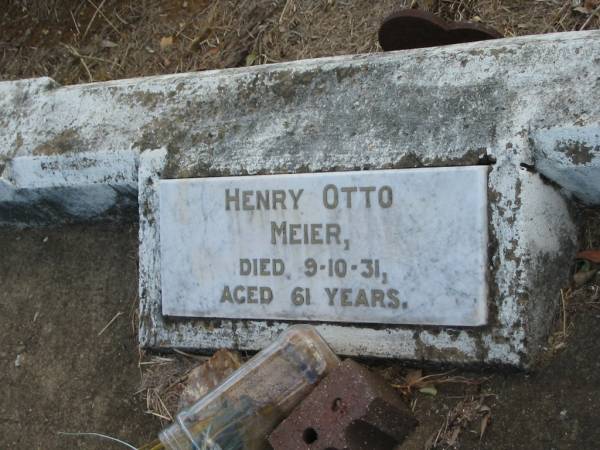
241, 412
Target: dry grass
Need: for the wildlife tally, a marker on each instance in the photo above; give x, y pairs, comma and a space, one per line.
179, 380
583, 295
466, 413
414, 380
163, 380
77, 41
466, 398
590, 231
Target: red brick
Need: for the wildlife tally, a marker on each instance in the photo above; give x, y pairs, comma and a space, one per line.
351, 409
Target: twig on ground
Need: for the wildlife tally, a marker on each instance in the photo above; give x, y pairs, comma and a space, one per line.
87, 29
79, 56
284, 10
75, 23
98, 8
464, 413
103, 436
415, 381
558, 15
564, 312
189, 355
123, 21
110, 323
589, 19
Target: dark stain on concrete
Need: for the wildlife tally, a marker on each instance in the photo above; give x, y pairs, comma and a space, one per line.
579, 152
147, 99
67, 141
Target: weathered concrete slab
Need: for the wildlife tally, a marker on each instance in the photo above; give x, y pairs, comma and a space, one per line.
462, 95
510, 104
381, 246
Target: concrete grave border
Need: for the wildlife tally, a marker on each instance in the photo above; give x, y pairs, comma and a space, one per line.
528, 107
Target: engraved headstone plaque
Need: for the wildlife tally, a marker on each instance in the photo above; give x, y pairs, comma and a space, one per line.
384, 246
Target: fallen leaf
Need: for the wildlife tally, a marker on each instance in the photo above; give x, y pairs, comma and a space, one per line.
105, 43
250, 59
592, 255
413, 376
429, 442
581, 278
454, 436
166, 42
198, 40
485, 420
205, 377
429, 390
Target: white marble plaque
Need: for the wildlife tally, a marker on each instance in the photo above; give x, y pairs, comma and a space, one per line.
384, 246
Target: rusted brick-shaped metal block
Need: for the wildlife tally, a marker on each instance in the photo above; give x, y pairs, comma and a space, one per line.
351, 409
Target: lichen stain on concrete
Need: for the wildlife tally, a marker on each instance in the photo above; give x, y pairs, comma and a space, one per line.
501, 51
18, 143
342, 73
494, 266
180, 163
470, 157
284, 84
495, 198
496, 52
159, 132
289, 85
147, 99
433, 353
148, 213
67, 141
578, 152
510, 252
435, 111
409, 160
4, 119
79, 163
518, 200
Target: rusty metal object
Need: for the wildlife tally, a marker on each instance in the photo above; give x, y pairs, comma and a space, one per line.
415, 28
351, 409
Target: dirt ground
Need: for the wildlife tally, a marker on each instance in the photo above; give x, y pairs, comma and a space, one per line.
78, 41
69, 360
59, 288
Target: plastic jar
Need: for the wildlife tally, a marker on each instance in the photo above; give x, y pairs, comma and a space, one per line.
247, 406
